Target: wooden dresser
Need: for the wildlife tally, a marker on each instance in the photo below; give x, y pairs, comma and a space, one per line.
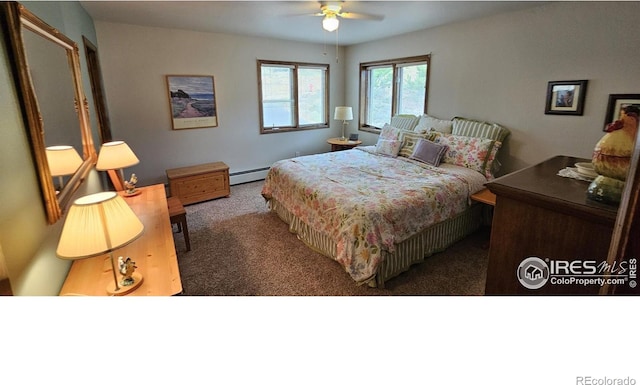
154, 253
540, 214
199, 183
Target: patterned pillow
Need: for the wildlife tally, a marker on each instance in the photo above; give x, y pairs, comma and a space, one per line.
493, 165
429, 152
430, 123
389, 132
388, 147
474, 153
409, 140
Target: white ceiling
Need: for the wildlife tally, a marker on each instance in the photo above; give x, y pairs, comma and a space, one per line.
290, 20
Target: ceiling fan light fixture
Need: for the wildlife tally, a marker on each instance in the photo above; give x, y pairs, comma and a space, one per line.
330, 23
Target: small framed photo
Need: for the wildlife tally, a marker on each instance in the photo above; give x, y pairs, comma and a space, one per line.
566, 97
192, 100
616, 103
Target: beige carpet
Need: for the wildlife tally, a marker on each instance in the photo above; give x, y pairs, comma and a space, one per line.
239, 248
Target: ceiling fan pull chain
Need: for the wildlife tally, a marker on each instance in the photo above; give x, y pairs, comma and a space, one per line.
337, 50
324, 44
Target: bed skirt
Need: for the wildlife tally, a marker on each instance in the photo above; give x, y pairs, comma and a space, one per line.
411, 251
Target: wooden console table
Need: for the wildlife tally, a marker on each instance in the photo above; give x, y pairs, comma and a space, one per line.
154, 253
540, 214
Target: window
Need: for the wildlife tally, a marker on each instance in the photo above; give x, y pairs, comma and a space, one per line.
293, 96
391, 87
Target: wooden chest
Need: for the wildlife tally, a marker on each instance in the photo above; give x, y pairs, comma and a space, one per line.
199, 183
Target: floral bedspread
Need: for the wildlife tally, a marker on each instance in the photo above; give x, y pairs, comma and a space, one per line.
367, 202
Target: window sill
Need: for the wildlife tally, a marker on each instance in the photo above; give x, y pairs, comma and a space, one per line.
289, 129
371, 129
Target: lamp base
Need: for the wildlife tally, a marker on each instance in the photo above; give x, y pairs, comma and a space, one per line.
124, 290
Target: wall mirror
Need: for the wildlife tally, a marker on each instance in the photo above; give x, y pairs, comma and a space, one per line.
47, 73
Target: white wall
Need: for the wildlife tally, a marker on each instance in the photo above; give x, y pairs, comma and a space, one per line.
135, 61
497, 69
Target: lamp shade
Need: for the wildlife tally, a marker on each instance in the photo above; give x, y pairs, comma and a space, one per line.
343, 113
115, 155
330, 23
63, 160
97, 224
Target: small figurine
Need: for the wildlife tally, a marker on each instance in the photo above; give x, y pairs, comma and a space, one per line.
130, 185
126, 267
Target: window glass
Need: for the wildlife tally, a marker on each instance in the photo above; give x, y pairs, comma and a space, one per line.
277, 96
380, 96
411, 85
311, 95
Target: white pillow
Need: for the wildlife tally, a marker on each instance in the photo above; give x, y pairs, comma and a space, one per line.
431, 123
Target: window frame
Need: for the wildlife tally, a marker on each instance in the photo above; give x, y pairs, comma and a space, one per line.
296, 115
395, 64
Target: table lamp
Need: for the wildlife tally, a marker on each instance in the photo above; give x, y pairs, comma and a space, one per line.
344, 114
62, 160
113, 157
101, 223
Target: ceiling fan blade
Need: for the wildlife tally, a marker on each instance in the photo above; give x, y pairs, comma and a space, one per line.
361, 16
305, 14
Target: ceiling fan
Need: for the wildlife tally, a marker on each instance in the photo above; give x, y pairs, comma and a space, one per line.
332, 11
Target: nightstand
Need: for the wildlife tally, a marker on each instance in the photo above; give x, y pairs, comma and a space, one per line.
489, 199
338, 145
485, 196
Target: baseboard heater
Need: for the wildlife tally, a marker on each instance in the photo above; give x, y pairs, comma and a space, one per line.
248, 175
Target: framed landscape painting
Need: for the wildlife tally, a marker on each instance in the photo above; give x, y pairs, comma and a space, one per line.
566, 97
192, 100
616, 103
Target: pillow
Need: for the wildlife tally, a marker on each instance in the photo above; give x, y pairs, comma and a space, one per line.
429, 152
470, 152
478, 129
405, 122
389, 132
409, 140
388, 147
493, 165
430, 123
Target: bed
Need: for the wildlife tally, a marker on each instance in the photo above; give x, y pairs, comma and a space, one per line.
377, 210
